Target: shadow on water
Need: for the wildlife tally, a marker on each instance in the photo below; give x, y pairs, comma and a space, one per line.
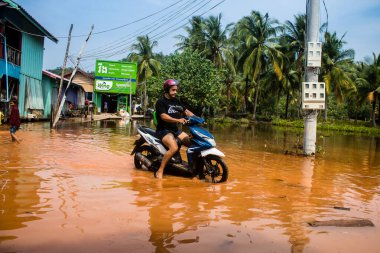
75, 188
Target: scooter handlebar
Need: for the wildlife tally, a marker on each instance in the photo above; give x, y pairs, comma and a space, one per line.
194, 120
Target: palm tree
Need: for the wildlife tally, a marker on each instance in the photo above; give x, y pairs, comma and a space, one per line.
215, 39
360, 97
336, 66
289, 80
230, 75
372, 76
147, 66
207, 37
293, 41
258, 47
295, 37
195, 39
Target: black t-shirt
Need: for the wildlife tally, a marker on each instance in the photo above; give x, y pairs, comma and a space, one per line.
173, 107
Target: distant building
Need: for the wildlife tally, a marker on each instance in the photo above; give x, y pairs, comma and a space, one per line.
21, 60
85, 80
75, 94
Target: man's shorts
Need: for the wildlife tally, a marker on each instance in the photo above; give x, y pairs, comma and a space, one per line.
13, 129
162, 133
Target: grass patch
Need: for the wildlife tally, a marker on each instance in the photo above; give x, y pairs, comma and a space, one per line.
359, 127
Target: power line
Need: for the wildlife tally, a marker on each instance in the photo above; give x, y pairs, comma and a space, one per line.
103, 31
186, 23
157, 36
127, 46
158, 26
155, 23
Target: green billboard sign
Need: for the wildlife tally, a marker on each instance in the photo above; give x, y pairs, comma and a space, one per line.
115, 77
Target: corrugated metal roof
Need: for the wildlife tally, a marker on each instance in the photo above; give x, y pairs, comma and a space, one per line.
55, 76
52, 75
30, 19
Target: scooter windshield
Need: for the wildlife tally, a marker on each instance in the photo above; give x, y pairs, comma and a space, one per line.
195, 120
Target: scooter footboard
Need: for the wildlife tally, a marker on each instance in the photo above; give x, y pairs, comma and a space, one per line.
212, 151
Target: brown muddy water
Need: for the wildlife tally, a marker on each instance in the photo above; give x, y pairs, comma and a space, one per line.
75, 189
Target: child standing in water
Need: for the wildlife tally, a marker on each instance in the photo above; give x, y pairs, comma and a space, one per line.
14, 120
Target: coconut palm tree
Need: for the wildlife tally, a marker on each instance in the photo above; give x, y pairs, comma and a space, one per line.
360, 97
293, 42
295, 37
147, 65
195, 39
289, 80
230, 75
336, 67
258, 48
372, 76
216, 42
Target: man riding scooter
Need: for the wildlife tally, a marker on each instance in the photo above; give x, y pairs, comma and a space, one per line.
169, 112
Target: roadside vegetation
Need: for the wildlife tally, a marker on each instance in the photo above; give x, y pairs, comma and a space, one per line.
252, 71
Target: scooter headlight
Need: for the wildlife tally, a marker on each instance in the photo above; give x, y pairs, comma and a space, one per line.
212, 142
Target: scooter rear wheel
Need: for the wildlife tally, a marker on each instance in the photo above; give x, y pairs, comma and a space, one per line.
146, 151
213, 169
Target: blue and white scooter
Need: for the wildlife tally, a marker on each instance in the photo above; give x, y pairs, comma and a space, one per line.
203, 158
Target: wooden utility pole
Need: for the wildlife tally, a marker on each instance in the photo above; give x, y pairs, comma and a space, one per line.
56, 118
54, 113
311, 75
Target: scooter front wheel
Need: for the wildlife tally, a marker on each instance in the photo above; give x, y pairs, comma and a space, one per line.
213, 169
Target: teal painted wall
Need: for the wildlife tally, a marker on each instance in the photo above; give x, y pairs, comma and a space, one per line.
13, 70
49, 88
97, 99
31, 71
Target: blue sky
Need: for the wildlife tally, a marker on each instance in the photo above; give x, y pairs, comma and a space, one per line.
360, 20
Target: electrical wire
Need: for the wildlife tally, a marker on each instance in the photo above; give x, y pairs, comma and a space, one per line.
161, 29
160, 26
123, 39
327, 16
103, 31
158, 38
157, 23
158, 35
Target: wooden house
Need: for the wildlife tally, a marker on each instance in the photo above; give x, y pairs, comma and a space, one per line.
21, 58
75, 94
85, 80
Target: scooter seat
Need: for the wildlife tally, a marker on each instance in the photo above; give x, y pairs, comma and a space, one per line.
151, 132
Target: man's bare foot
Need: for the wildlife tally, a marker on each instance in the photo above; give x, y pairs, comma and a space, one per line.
158, 174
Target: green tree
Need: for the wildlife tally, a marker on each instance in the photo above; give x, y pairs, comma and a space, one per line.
372, 76
216, 42
200, 81
336, 66
293, 44
259, 48
147, 65
195, 39
295, 36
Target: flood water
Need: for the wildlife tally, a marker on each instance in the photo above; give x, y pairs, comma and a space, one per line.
75, 189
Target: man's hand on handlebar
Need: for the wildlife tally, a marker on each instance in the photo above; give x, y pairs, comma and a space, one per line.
183, 121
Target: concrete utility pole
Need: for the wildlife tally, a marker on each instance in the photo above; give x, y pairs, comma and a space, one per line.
56, 117
55, 113
311, 75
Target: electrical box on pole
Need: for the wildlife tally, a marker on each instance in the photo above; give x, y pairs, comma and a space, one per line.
313, 95
313, 91
314, 54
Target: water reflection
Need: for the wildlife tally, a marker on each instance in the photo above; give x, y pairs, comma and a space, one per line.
19, 202
79, 179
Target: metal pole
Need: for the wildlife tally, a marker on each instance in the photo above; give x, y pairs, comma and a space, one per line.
6, 66
311, 75
56, 118
130, 95
56, 107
